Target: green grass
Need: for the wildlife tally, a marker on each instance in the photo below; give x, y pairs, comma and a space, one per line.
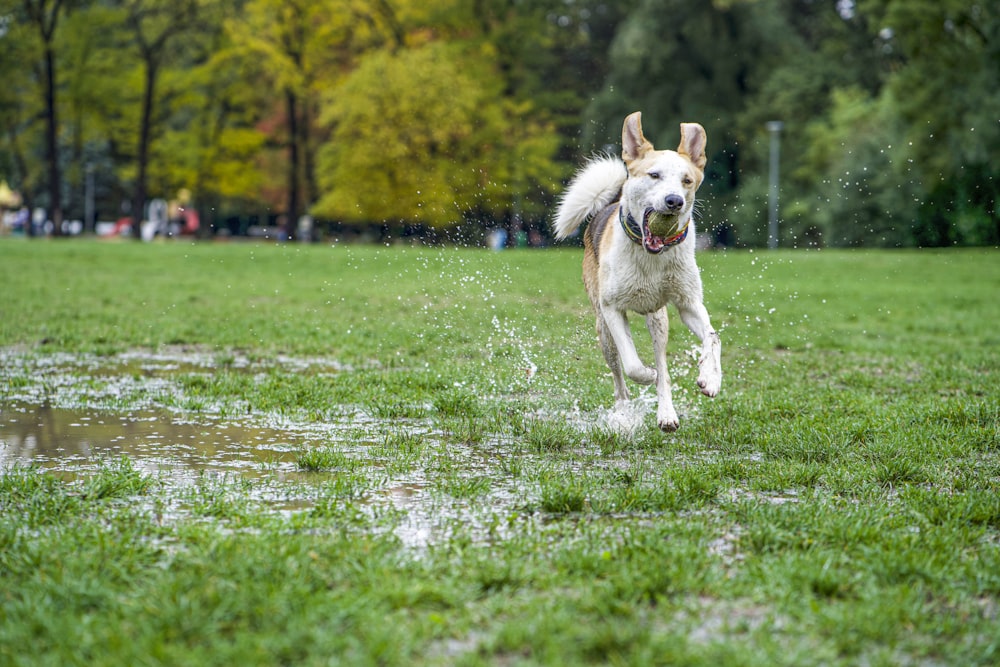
465, 503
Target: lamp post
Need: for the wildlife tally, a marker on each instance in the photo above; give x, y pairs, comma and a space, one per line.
774, 127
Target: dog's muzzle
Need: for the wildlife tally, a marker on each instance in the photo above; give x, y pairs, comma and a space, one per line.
658, 229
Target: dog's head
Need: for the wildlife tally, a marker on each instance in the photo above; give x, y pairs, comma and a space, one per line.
661, 184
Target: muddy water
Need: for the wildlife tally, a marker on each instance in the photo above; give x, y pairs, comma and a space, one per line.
63, 414
179, 452
57, 411
62, 438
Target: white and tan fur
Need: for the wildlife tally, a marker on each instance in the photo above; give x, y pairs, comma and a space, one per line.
623, 275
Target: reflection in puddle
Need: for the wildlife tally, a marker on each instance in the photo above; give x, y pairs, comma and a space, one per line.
60, 438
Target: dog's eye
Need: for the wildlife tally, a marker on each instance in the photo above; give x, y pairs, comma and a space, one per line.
655, 175
687, 180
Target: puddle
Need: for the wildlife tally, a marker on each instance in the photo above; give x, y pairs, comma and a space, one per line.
67, 414
56, 422
183, 453
163, 361
62, 438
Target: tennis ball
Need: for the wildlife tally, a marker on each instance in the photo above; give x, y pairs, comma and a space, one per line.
661, 225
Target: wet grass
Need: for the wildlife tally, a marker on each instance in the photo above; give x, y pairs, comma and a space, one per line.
463, 499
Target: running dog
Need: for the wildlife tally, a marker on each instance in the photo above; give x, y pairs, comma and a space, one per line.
639, 256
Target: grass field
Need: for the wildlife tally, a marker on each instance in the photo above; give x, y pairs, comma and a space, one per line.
448, 488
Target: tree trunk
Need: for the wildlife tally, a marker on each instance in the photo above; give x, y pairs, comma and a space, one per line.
292, 210
308, 158
139, 197
51, 143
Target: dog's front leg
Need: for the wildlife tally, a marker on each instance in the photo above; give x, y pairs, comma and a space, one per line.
618, 327
710, 364
666, 416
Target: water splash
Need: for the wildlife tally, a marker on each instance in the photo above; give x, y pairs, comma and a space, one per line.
509, 335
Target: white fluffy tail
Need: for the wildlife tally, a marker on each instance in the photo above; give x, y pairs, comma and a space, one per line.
595, 186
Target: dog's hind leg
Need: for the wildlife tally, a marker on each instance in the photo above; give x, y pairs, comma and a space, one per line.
666, 416
614, 362
696, 318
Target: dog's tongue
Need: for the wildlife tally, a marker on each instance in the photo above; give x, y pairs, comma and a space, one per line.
652, 243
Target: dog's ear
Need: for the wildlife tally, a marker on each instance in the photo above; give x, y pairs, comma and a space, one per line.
692, 144
634, 145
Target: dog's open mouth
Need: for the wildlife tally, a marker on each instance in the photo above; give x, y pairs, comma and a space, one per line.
657, 229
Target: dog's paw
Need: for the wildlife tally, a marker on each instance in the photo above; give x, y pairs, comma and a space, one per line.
666, 417
668, 424
710, 383
710, 365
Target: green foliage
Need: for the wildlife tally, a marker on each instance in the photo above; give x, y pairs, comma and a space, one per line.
892, 103
399, 123
423, 135
214, 154
946, 93
447, 113
21, 109
869, 182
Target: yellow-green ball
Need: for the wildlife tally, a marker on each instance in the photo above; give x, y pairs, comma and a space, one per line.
663, 225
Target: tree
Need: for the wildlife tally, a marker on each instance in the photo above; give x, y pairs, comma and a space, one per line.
866, 183
295, 45
44, 15
829, 66
20, 105
94, 68
481, 99
550, 53
441, 112
206, 142
424, 135
692, 61
214, 153
153, 24
919, 76
893, 106
945, 87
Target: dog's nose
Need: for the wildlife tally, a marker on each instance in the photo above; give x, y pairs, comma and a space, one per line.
674, 202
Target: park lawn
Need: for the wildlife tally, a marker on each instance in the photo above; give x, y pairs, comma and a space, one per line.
838, 503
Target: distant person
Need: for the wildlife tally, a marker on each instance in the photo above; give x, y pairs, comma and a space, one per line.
498, 239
